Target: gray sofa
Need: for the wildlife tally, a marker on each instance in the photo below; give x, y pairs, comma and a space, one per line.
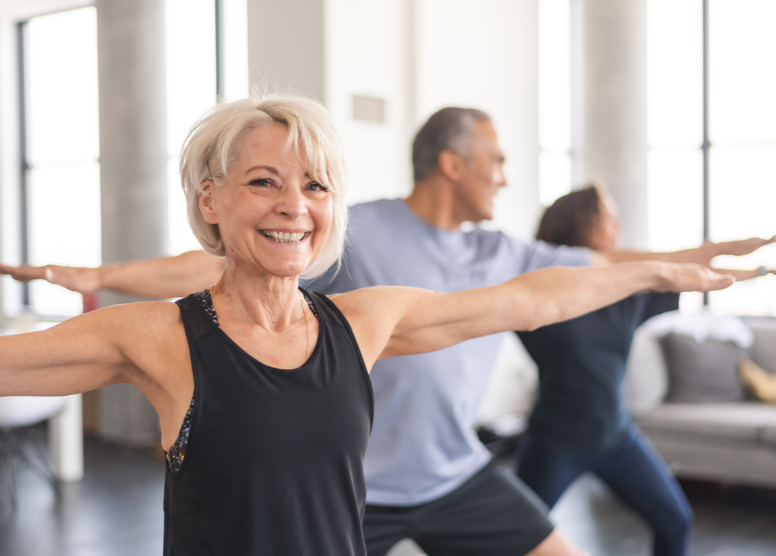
733, 442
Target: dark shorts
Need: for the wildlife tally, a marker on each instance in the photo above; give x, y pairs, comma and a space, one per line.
491, 514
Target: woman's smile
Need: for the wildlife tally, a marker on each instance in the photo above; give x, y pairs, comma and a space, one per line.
279, 236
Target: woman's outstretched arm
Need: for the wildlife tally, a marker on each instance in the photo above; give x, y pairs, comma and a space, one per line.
699, 255
120, 344
156, 278
390, 321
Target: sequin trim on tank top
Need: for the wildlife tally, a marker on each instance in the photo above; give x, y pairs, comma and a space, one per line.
177, 451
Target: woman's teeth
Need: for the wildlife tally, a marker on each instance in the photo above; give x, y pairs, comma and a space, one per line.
284, 237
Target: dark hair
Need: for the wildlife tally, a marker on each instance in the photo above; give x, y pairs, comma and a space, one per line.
571, 218
446, 130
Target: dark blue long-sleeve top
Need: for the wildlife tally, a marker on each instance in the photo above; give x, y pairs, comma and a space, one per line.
580, 409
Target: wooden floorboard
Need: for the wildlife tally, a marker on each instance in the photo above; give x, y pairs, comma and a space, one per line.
117, 511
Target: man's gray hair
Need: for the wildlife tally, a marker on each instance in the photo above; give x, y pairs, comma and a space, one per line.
449, 129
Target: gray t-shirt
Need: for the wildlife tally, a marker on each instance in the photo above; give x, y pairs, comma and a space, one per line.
423, 444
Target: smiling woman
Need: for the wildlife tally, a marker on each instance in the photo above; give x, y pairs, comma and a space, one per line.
267, 456
231, 133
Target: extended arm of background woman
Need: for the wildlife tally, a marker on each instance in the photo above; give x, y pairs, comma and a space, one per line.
390, 321
699, 255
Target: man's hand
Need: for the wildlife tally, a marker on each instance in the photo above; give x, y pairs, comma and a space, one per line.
692, 277
77, 279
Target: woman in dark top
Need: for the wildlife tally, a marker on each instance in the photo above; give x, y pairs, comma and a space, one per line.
266, 456
580, 422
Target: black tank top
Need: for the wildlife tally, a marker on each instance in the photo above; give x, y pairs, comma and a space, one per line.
274, 463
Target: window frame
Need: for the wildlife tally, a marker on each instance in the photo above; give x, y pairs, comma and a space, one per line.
24, 165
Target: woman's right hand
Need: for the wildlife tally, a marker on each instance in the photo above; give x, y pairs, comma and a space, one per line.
77, 279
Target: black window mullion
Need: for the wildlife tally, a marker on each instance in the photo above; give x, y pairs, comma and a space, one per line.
706, 147
220, 54
24, 165
706, 141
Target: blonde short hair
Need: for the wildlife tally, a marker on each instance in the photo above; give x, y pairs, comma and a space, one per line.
212, 147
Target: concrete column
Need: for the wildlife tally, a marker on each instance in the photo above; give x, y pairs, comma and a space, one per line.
286, 50
610, 105
133, 172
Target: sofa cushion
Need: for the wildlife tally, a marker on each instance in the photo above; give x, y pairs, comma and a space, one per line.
749, 421
702, 372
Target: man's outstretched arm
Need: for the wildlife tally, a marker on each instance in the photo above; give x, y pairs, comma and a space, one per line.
157, 278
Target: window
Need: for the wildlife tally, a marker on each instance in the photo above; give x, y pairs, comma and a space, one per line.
195, 38
714, 176
742, 142
234, 48
60, 193
191, 91
554, 99
61, 178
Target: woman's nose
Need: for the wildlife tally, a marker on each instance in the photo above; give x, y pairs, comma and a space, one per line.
291, 203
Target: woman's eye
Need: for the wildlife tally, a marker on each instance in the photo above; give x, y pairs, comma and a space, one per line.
261, 182
317, 187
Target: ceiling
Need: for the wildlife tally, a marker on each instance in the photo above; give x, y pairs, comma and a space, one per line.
24, 9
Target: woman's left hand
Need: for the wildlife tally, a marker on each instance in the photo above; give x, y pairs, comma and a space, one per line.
741, 247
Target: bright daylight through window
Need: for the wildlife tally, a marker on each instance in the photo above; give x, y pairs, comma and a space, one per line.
191, 81
554, 99
62, 169
62, 130
741, 132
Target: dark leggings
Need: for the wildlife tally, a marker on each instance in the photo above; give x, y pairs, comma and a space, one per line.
636, 474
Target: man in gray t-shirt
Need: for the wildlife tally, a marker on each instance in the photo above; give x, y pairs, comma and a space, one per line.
428, 477
423, 443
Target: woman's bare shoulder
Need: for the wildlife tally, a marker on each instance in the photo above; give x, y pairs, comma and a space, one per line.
150, 333
148, 311
372, 296
145, 319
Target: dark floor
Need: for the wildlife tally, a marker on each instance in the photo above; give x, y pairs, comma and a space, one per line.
117, 511
728, 521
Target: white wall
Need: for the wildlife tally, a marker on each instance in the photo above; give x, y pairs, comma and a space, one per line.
285, 46
369, 53
419, 56
484, 54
